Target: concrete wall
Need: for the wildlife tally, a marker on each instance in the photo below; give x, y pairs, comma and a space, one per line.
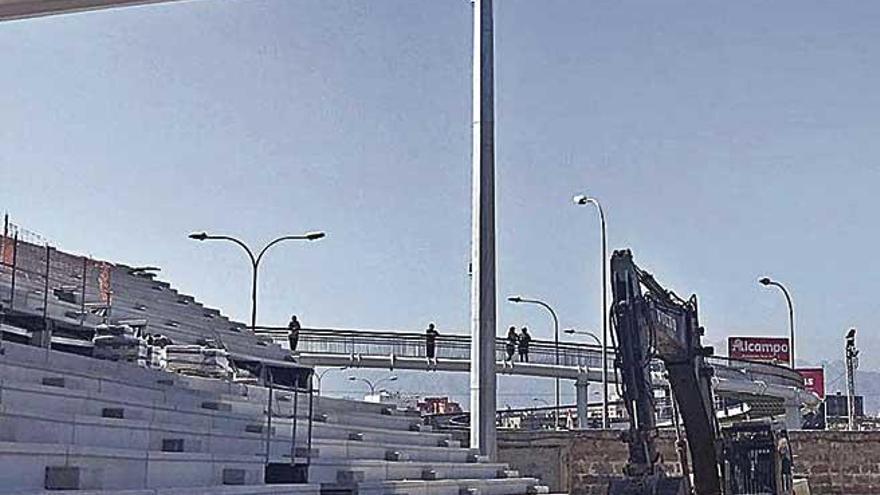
838, 462
576, 462
581, 462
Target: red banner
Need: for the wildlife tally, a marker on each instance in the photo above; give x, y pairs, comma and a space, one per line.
814, 380
7, 250
764, 349
104, 285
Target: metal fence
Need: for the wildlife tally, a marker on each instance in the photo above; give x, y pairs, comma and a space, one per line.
458, 346
451, 346
34, 277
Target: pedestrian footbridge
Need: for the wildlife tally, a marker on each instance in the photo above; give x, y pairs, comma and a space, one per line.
582, 363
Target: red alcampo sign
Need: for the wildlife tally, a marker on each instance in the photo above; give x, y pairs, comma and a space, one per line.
766, 349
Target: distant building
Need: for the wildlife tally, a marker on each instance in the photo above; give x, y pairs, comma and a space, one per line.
439, 405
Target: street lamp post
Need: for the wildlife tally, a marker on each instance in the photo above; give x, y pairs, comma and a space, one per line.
255, 259
320, 376
372, 384
581, 385
583, 200
766, 281
520, 299
572, 331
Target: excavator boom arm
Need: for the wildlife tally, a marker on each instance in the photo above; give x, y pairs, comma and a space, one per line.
655, 323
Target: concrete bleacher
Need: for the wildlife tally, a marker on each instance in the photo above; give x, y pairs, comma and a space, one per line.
69, 421
135, 294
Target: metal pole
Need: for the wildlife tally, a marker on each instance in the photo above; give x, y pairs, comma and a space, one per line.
482, 375
82, 302
583, 199
14, 266
605, 422
5, 240
790, 323
556, 352
256, 265
48, 334
293, 422
269, 414
311, 420
255, 259
768, 281
520, 299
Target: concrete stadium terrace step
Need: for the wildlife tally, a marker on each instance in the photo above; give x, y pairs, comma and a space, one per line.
519, 486
136, 400
329, 471
41, 397
297, 489
187, 331
23, 467
359, 450
193, 323
44, 426
133, 291
155, 386
26, 364
95, 372
52, 427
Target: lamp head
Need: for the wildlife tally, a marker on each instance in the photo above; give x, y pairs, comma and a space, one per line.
352, 378
569, 330
314, 236
392, 378
198, 236
515, 299
765, 281
581, 199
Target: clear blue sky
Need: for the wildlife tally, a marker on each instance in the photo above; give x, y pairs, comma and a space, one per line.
727, 140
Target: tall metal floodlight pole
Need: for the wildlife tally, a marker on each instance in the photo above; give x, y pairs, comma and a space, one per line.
483, 235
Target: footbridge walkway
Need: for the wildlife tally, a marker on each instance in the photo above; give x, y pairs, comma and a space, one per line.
581, 363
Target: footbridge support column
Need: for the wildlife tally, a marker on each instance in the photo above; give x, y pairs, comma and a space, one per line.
582, 388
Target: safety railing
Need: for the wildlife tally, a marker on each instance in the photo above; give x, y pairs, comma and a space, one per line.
448, 346
458, 346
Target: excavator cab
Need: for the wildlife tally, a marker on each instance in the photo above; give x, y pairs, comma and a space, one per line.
757, 459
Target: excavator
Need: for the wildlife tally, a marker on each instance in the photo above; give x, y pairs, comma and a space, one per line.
651, 325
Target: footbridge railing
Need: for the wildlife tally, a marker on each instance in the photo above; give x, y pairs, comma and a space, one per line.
326, 341
451, 346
